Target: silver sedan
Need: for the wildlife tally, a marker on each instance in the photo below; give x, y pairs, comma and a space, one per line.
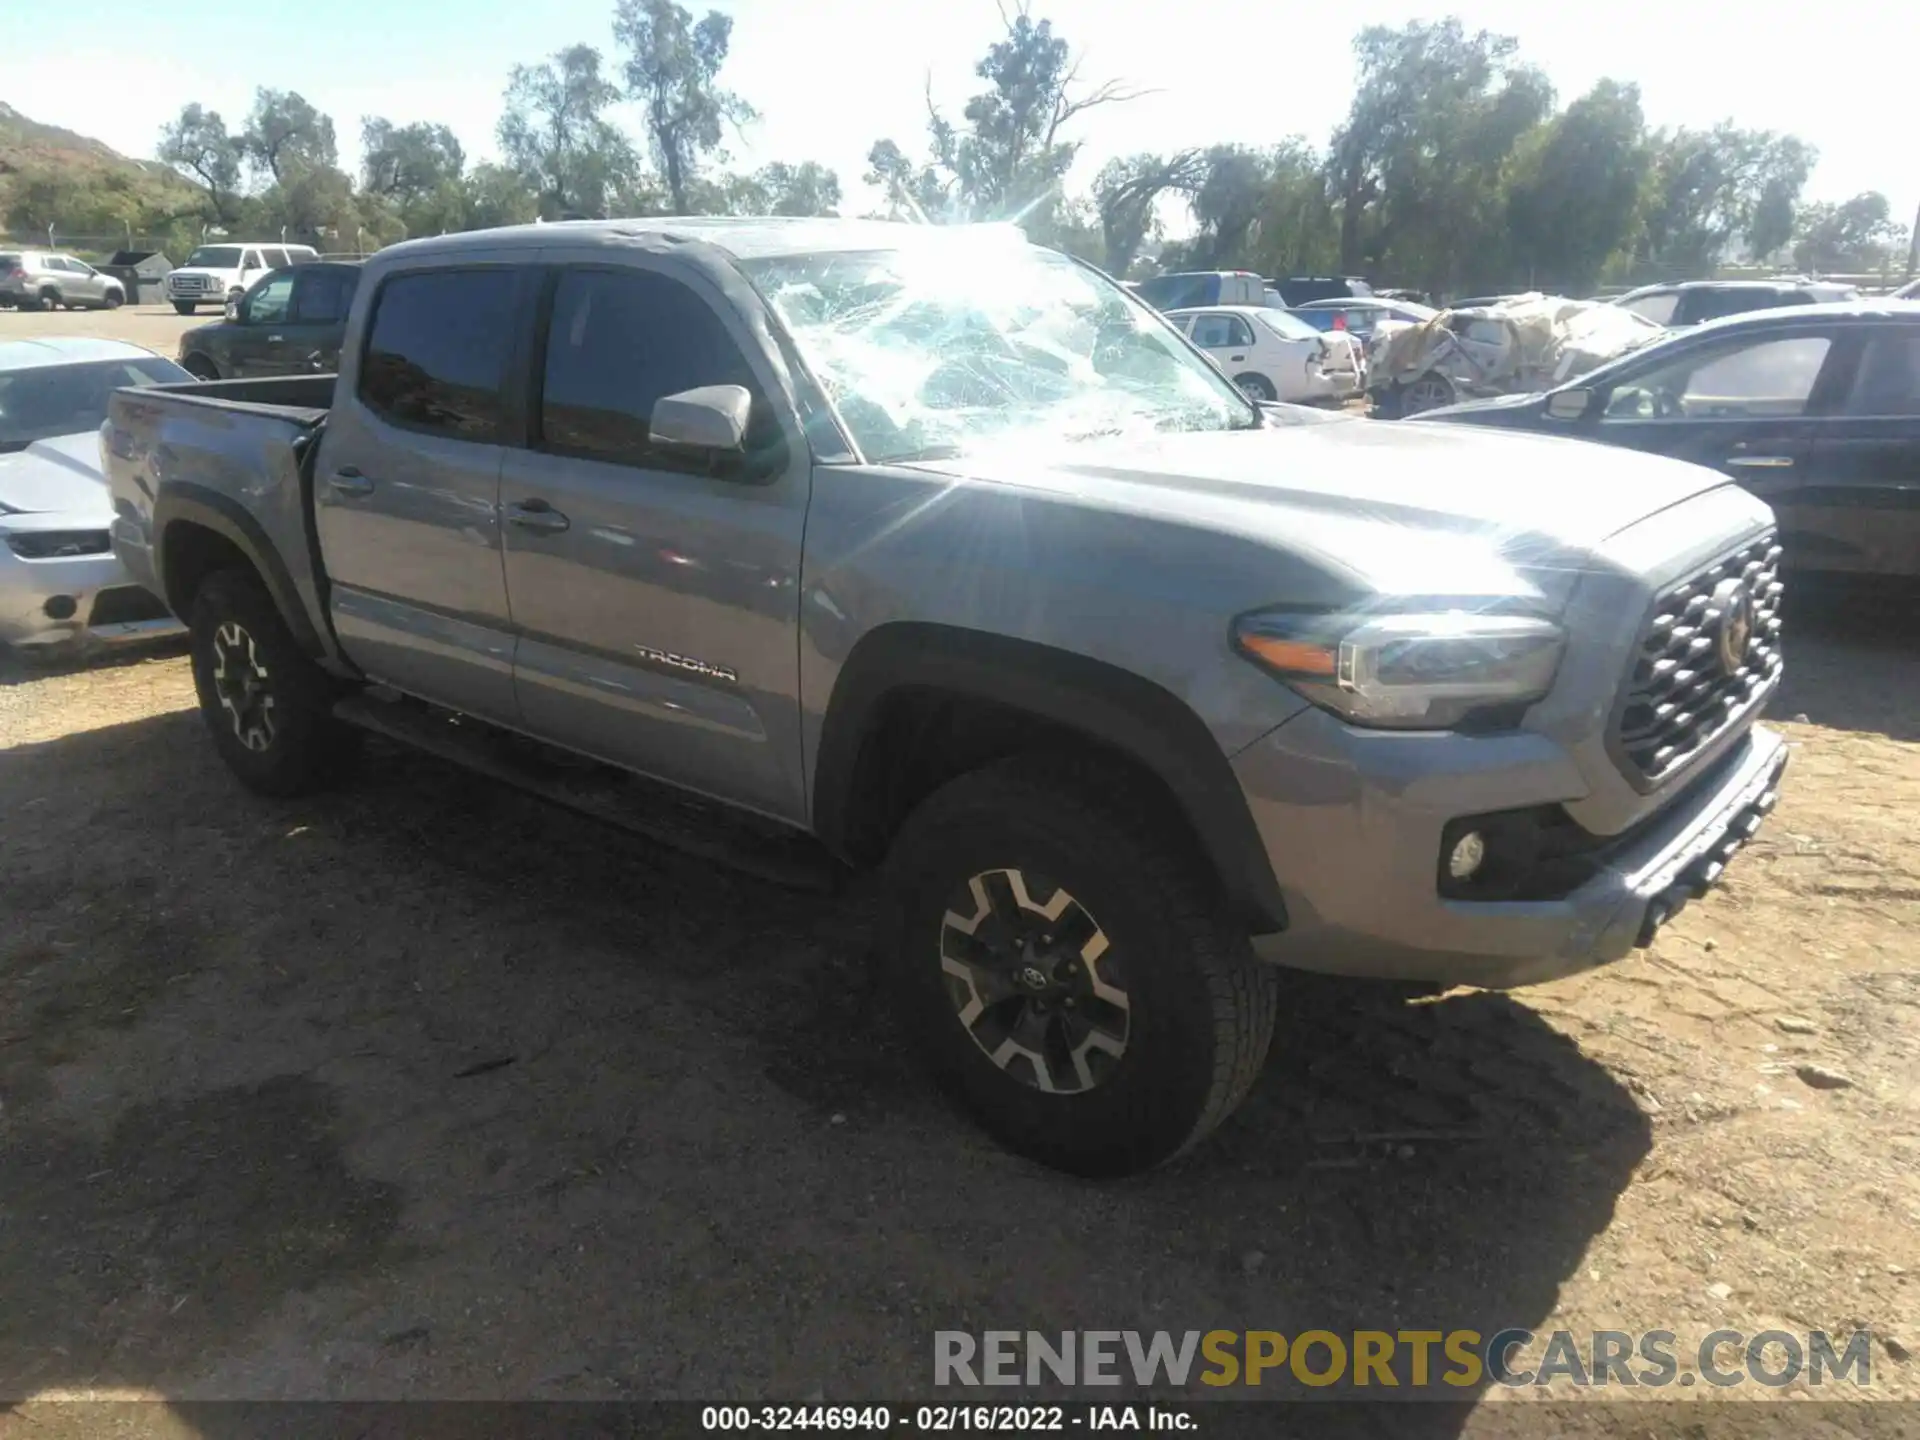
60, 585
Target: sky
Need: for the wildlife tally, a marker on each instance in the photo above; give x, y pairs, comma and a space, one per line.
831, 76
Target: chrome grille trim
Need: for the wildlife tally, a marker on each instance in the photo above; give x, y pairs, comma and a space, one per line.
1679, 698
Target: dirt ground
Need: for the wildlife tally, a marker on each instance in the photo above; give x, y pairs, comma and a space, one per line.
155, 326
422, 1088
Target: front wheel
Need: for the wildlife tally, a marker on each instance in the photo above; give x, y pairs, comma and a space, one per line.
184, 307
1257, 387
1067, 972
115, 300
267, 705
1429, 392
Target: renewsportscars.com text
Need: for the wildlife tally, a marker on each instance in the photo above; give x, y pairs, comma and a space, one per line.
1440, 1361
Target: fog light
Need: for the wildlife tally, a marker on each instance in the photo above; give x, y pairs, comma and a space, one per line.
60, 607
1468, 854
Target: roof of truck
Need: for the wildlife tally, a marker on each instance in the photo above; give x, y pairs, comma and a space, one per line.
743, 237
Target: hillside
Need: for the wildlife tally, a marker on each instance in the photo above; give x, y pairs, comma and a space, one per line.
48, 174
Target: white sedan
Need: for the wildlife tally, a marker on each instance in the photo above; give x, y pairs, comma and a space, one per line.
1274, 354
61, 586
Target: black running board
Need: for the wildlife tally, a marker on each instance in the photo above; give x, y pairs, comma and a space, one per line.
639, 806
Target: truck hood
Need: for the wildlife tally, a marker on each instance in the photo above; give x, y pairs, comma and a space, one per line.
1429, 509
61, 474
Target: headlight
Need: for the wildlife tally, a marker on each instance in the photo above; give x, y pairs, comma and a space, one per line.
57, 544
1415, 671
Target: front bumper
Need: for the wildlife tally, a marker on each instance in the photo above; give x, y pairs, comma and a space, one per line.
1353, 820
107, 608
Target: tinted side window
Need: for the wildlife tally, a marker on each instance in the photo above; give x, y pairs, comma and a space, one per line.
1658, 308
619, 341
268, 303
1765, 378
322, 297
436, 358
1888, 380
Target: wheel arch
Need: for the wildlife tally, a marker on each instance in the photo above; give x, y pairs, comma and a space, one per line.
198, 531
917, 703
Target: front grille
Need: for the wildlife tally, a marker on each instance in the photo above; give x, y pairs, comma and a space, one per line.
125, 604
1682, 694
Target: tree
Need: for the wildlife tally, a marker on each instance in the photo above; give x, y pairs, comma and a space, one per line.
407, 163
1125, 194
1418, 164
1708, 191
1009, 159
555, 134
284, 133
672, 70
912, 190
197, 144
494, 195
1854, 237
1573, 196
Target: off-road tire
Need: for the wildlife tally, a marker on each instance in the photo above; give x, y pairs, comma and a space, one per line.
305, 746
1202, 1008
182, 307
1257, 387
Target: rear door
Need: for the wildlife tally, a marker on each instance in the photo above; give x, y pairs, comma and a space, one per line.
1741, 404
657, 605
1857, 507
407, 482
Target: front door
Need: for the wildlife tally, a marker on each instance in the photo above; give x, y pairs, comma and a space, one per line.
1857, 507
1741, 406
255, 336
657, 604
407, 486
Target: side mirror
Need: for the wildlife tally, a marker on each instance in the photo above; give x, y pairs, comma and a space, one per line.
707, 422
1569, 404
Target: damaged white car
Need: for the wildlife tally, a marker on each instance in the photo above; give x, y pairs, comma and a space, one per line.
1518, 345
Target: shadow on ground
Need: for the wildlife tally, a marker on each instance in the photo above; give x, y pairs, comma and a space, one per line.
423, 1088
1853, 655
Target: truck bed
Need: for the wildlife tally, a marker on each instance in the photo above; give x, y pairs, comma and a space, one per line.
231, 456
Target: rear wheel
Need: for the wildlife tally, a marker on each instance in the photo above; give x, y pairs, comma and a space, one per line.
1257, 387
1068, 974
267, 705
1429, 392
50, 299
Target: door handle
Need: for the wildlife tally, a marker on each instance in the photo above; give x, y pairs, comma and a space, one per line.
275, 339
1761, 462
537, 516
1236, 357
350, 483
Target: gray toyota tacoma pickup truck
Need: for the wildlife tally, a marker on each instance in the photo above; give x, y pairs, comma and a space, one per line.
823, 545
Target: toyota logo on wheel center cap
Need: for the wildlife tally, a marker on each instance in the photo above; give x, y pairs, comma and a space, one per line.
1736, 624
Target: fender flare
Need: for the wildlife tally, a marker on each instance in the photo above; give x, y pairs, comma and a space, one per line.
183, 501
1130, 714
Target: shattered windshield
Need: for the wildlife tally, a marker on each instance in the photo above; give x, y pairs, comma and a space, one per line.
936, 348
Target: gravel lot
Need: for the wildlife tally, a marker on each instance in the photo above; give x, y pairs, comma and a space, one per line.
422, 1088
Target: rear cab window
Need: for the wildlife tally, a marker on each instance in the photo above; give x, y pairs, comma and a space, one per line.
438, 349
